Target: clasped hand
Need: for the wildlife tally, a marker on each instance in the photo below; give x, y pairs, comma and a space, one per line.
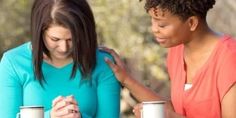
65, 107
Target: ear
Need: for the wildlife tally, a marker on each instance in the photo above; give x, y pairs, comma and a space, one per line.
193, 22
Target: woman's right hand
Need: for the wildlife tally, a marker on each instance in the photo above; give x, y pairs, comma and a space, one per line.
137, 89
65, 107
137, 110
168, 109
118, 67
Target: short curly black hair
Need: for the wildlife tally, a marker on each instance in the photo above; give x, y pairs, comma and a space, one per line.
182, 8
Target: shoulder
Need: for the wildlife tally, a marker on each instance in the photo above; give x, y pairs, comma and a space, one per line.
228, 49
14, 61
228, 43
101, 55
224, 57
104, 74
17, 57
101, 65
226, 64
19, 51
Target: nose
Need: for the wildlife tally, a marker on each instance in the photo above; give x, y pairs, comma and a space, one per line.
63, 46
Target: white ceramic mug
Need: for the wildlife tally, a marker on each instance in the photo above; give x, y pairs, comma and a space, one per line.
153, 109
31, 112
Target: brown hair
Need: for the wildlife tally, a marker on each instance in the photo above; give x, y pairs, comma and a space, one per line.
77, 16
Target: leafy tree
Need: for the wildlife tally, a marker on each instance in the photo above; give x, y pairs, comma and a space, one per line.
14, 22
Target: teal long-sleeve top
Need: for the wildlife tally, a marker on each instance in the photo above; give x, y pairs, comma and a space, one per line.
97, 97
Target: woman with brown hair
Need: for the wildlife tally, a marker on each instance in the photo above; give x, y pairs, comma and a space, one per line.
61, 68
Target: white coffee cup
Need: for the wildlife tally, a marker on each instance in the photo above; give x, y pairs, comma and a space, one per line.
153, 109
31, 112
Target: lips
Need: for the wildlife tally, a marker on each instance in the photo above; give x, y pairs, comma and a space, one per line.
160, 40
62, 53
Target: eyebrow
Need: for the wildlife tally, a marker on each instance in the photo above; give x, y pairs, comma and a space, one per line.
56, 37
156, 18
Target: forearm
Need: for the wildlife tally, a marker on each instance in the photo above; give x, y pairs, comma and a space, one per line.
139, 91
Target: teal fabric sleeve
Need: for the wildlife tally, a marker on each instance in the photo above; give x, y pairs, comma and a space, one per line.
10, 89
108, 92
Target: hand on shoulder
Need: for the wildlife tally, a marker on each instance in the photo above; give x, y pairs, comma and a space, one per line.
118, 67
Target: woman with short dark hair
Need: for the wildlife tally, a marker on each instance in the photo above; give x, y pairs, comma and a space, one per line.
201, 63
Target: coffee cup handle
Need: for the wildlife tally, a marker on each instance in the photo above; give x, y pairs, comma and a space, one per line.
18, 115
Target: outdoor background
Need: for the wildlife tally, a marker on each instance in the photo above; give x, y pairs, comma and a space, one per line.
124, 26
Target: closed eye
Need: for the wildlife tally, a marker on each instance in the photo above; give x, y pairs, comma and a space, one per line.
161, 26
54, 39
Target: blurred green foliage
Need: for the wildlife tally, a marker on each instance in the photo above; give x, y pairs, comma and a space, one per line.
14, 22
125, 26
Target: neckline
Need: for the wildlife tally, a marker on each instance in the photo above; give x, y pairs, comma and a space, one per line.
55, 67
206, 63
